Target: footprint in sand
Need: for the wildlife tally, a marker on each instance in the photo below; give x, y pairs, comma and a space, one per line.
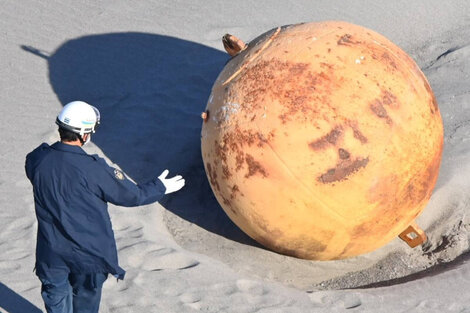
126, 232
8, 267
136, 233
252, 287
335, 299
15, 254
167, 259
224, 289
190, 298
19, 224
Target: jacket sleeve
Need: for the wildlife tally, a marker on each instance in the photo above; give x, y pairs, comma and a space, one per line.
33, 158
114, 187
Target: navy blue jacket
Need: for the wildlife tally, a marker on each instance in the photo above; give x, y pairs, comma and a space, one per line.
71, 192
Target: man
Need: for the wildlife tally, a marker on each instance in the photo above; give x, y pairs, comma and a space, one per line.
76, 249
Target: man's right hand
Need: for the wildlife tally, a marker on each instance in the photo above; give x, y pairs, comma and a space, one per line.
171, 184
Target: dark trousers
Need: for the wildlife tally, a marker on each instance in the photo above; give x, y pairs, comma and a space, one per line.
65, 292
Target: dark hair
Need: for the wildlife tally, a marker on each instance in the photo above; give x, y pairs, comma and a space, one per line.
67, 135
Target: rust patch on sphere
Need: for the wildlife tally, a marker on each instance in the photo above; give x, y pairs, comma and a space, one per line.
293, 84
226, 171
343, 169
387, 99
235, 191
335, 136
359, 136
343, 154
233, 143
389, 60
378, 108
212, 176
390, 99
357, 132
346, 40
254, 167
329, 139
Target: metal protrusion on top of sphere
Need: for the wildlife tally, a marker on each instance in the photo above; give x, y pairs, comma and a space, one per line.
232, 44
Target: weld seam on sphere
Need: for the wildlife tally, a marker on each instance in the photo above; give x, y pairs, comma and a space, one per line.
266, 44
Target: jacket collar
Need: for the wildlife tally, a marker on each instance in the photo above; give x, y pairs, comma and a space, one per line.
67, 148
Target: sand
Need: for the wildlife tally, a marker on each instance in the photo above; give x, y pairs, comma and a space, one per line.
149, 67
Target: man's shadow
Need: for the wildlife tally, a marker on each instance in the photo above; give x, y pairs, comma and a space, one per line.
150, 90
14, 303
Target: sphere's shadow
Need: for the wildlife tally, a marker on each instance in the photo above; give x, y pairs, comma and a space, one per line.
150, 90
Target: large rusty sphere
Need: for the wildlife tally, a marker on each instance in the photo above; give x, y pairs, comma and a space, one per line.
322, 140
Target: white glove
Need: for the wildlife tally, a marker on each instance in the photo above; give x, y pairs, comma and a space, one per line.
171, 184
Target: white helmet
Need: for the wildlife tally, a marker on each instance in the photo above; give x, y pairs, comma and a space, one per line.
79, 117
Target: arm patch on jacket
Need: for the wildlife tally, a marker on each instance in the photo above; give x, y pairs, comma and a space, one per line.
118, 174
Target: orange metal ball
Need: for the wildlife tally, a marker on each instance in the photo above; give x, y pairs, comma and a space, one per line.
322, 140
